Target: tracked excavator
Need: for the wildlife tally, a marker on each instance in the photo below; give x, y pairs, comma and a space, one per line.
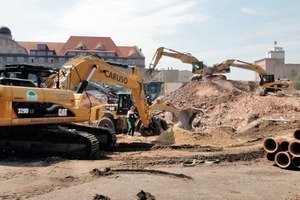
45, 117
267, 81
44, 121
113, 115
197, 66
78, 71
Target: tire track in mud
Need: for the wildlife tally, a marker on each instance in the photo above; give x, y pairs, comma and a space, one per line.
68, 181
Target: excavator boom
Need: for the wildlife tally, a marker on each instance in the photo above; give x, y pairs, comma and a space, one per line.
184, 57
267, 81
77, 72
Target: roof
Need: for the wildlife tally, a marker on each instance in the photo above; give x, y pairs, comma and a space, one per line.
127, 51
86, 44
56, 46
89, 43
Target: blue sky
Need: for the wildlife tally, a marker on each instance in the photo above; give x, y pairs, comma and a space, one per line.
211, 30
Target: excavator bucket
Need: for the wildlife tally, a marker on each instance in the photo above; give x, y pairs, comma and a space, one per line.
186, 117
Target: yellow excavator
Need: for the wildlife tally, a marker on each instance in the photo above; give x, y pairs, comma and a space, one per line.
78, 71
267, 80
197, 66
45, 116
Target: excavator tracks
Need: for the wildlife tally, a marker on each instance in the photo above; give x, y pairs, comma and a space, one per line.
68, 140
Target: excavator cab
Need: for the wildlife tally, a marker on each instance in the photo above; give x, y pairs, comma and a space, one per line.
124, 103
197, 66
37, 74
154, 89
266, 78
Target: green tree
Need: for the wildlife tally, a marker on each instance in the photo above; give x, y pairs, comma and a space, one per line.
294, 76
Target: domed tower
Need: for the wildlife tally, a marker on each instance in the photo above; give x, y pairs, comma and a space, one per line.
5, 33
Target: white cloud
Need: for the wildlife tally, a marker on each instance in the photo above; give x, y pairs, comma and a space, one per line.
256, 11
130, 22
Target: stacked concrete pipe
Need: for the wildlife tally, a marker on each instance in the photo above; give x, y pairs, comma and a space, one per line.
284, 150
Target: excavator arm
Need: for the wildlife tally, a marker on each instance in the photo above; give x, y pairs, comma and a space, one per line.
267, 81
77, 72
184, 57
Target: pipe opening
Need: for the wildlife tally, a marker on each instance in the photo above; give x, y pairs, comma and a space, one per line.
270, 145
294, 148
296, 162
297, 134
271, 156
283, 159
284, 146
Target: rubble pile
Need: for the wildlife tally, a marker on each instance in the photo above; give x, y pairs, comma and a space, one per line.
237, 105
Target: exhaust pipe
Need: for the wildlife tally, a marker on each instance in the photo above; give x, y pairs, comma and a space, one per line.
297, 134
283, 159
294, 148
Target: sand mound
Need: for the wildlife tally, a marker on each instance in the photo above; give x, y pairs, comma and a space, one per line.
221, 137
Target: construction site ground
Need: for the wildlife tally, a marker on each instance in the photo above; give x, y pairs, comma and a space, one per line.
221, 158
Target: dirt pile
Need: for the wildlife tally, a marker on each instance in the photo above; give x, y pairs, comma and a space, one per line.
213, 138
237, 105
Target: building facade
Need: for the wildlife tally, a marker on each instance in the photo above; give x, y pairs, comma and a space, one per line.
55, 54
274, 63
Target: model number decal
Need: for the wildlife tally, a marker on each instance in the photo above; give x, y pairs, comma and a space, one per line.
23, 111
62, 112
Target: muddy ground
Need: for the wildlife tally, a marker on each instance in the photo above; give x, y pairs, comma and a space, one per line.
176, 171
221, 158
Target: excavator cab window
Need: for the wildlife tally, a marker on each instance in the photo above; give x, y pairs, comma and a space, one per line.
16, 82
197, 66
124, 103
154, 89
267, 78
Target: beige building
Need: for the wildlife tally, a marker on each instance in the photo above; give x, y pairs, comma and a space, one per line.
55, 54
274, 63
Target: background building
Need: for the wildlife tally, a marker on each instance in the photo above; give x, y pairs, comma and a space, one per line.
274, 63
55, 54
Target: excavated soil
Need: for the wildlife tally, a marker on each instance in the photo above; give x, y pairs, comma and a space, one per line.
220, 158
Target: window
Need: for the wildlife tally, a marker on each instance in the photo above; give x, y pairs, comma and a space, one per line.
50, 53
42, 47
20, 51
61, 60
129, 62
50, 60
41, 60
9, 51
137, 62
41, 53
120, 60
1, 59
9, 59
70, 53
31, 59
32, 52
101, 54
110, 54
20, 59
